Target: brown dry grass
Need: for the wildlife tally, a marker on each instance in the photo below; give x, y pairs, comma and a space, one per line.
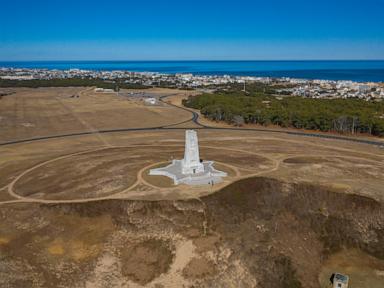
259, 230
343, 164
273, 230
51, 111
89, 175
199, 268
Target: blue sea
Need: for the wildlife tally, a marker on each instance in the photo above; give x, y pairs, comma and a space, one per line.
360, 71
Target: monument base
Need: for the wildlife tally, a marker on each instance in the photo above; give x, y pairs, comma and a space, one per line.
209, 176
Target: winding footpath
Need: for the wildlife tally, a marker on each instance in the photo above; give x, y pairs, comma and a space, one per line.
121, 195
10, 188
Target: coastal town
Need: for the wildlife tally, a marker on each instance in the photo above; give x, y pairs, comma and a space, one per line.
308, 88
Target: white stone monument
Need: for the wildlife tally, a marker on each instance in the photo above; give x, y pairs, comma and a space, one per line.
191, 170
191, 162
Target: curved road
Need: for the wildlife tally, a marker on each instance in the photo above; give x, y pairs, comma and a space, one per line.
195, 119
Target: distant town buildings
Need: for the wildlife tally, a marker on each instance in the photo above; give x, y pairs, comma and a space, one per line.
325, 89
334, 89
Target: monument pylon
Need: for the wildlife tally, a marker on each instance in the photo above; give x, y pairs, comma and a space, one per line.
191, 161
191, 170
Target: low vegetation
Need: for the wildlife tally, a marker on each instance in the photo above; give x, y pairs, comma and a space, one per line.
70, 82
260, 106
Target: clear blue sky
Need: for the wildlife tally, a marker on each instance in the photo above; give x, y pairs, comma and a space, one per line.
195, 29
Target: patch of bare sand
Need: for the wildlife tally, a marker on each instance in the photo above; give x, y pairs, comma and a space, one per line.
184, 253
144, 261
145, 264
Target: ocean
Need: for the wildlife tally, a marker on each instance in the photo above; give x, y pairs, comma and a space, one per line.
360, 71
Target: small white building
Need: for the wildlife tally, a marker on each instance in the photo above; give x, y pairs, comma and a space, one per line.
102, 90
339, 280
150, 101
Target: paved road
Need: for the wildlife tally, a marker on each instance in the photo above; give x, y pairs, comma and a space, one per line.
195, 119
195, 115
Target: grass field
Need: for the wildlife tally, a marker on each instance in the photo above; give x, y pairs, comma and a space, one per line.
82, 211
53, 111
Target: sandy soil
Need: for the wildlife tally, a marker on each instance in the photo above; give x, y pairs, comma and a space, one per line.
82, 212
258, 232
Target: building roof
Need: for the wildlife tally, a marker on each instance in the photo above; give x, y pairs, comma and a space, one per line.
341, 278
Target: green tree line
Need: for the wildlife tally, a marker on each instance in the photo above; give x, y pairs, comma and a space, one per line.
340, 115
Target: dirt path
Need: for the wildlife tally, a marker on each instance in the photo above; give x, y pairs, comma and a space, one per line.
140, 180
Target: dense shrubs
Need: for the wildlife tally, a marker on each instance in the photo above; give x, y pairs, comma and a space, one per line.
340, 115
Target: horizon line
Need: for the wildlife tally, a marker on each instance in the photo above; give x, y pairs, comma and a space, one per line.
190, 60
